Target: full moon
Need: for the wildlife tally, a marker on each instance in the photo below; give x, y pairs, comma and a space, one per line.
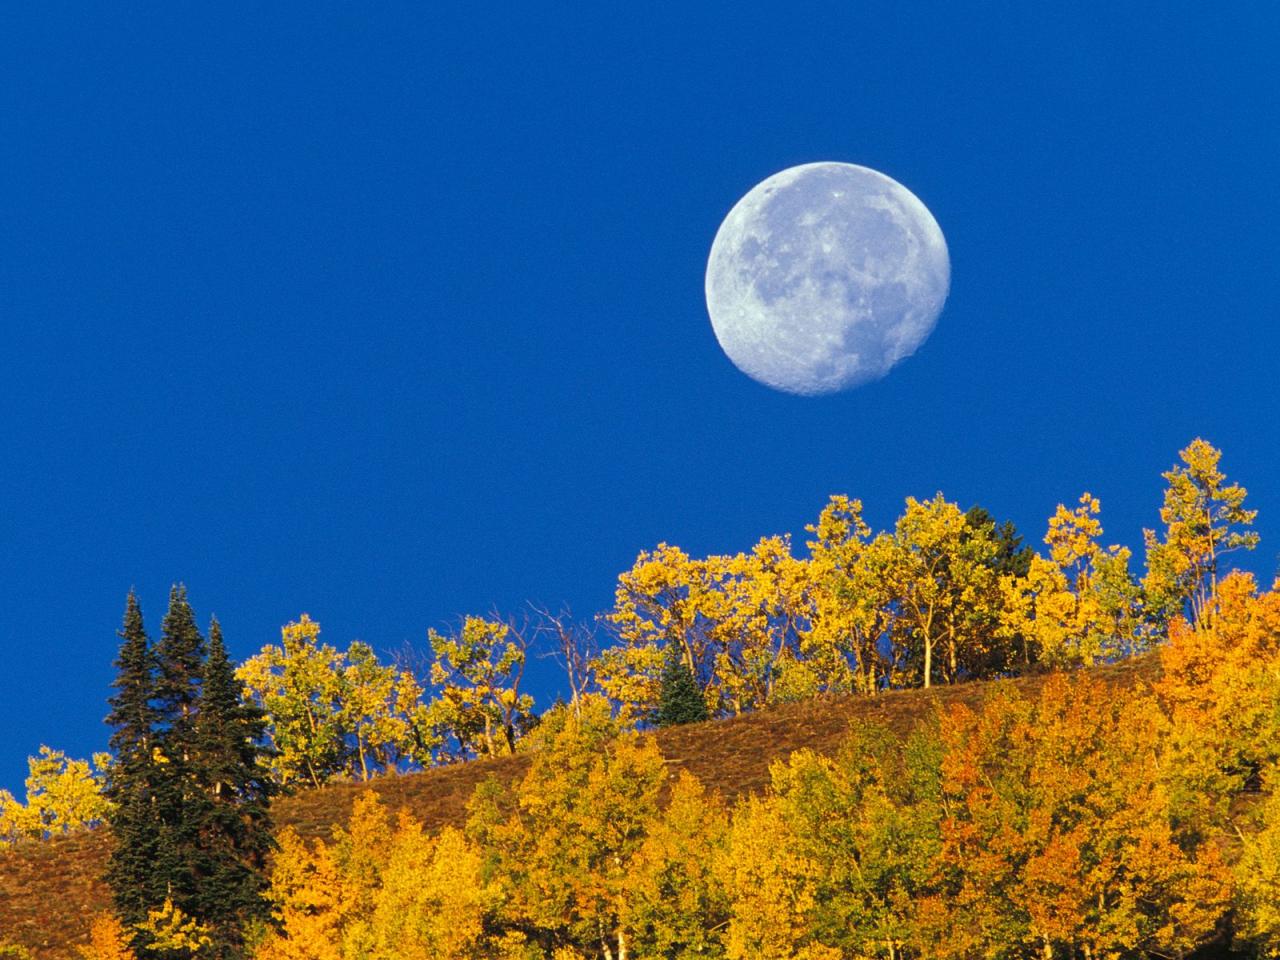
824, 276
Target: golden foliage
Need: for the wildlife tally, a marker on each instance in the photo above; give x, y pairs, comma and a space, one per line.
108, 940
63, 796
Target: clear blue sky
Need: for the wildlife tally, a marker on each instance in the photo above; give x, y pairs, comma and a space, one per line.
393, 313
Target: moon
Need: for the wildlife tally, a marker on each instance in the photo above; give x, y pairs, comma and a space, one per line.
825, 276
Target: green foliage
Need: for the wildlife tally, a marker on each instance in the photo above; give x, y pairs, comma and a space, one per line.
679, 700
1011, 558
230, 813
190, 790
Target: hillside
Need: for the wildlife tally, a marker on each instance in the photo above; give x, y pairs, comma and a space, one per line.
50, 891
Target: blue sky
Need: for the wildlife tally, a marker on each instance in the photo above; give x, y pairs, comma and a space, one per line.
395, 313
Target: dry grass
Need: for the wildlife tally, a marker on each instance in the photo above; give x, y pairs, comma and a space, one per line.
49, 892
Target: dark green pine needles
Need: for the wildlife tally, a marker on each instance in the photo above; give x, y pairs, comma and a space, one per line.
192, 820
680, 699
132, 784
231, 819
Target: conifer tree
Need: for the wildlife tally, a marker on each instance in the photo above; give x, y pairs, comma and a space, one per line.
135, 820
231, 813
180, 659
679, 699
175, 777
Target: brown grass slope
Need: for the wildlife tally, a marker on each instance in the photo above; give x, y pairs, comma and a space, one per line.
49, 892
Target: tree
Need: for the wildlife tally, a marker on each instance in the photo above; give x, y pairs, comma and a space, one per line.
232, 816
937, 572
180, 656
63, 796
143, 841
190, 792
561, 848
383, 890
172, 934
676, 905
848, 846
666, 600
1204, 519
477, 671
299, 686
382, 709
332, 713
108, 940
848, 608
1257, 878
1061, 838
1011, 557
680, 700
1080, 604
574, 645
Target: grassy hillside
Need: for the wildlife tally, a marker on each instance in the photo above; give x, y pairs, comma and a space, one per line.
50, 891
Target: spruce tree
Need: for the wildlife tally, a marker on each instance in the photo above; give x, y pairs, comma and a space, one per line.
135, 819
680, 700
232, 813
192, 793
180, 655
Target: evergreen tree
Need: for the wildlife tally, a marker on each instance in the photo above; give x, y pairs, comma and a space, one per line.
180, 659
1011, 557
135, 821
679, 699
192, 796
175, 777
231, 813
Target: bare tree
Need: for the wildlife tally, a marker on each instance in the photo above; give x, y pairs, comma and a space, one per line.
574, 645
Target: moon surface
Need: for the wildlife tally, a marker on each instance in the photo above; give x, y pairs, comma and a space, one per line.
825, 276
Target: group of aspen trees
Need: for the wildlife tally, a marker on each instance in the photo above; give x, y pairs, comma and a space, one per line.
1081, 819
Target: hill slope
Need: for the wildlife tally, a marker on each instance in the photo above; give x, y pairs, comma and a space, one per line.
49, 892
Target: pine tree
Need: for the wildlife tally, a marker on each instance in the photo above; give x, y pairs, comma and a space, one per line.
136, 885
180, 655
232, 811
679, 699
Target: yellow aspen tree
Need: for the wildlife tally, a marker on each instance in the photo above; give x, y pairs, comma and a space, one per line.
755, 625
432, 902
308, 903
300, 686
171, 931
333, 713
848, 606
108, 940
1220, 692
1061, 837
936, 571
675, 903
1079, 604
868, 822
63, 796
667, 600
1204, 519
1257, 877
771, 886
561, 849
478, 709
